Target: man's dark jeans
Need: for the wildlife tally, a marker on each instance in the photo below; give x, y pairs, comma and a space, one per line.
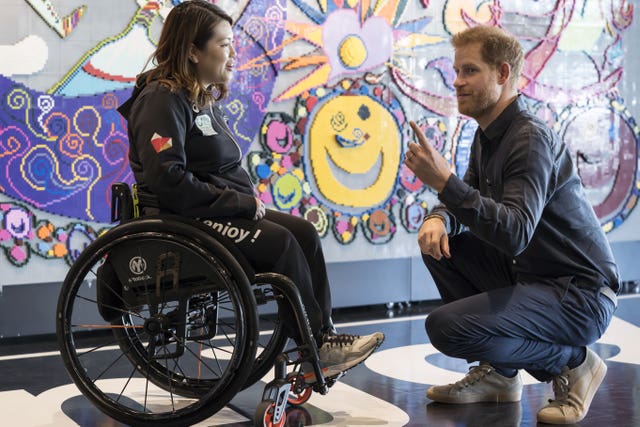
489, 316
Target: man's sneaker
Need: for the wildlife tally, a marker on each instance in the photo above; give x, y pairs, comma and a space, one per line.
481, 384
574, 390
342, 352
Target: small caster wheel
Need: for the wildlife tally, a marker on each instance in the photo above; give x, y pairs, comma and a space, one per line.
300, 391
265, 413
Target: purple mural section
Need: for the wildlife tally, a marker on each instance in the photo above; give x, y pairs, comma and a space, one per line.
59, 154
259, 33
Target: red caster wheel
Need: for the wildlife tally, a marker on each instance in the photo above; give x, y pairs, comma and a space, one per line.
265, 413
300, 391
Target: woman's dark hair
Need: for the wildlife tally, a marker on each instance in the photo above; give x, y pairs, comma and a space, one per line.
190, 22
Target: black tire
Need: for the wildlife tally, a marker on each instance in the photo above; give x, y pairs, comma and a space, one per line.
145, 365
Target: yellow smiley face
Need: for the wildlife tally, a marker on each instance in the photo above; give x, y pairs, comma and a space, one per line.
354, 151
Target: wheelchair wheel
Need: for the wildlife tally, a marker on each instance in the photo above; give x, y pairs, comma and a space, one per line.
156, 324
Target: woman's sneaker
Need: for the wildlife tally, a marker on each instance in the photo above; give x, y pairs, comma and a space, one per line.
339, 353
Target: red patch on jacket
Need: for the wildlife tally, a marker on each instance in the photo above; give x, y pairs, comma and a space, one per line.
161, 143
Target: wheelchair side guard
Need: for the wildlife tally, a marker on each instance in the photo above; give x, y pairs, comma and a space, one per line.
126, 204
138, 264
156, 274
114, 299
153, 271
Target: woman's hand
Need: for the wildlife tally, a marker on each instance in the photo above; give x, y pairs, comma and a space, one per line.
260, 210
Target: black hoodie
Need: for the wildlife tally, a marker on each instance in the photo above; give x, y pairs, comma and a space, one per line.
188, 158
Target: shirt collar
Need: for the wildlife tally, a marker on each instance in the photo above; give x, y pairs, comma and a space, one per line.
499, 126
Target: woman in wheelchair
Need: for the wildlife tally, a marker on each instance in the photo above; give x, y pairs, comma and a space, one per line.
183, 152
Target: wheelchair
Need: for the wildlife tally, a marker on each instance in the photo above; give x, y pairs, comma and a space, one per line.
158, 323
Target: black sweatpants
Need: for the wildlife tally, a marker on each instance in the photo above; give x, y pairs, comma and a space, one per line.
285, 244
489, 316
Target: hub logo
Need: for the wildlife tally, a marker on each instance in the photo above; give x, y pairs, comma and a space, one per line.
137, 265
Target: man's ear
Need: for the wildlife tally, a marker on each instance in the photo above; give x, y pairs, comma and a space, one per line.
194, 54
504, 73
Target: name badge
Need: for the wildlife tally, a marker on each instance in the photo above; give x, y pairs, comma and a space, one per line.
203, 122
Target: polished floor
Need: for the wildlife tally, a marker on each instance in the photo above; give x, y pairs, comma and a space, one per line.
388, 390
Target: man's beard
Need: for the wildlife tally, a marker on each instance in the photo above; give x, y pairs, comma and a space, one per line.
477, 105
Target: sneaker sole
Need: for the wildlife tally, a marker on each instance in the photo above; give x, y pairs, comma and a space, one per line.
496, 398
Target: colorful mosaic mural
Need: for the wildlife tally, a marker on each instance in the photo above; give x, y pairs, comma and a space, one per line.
337, 147
320, 105
23, 235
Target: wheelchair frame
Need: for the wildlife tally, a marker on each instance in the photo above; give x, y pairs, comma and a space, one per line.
151, 319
